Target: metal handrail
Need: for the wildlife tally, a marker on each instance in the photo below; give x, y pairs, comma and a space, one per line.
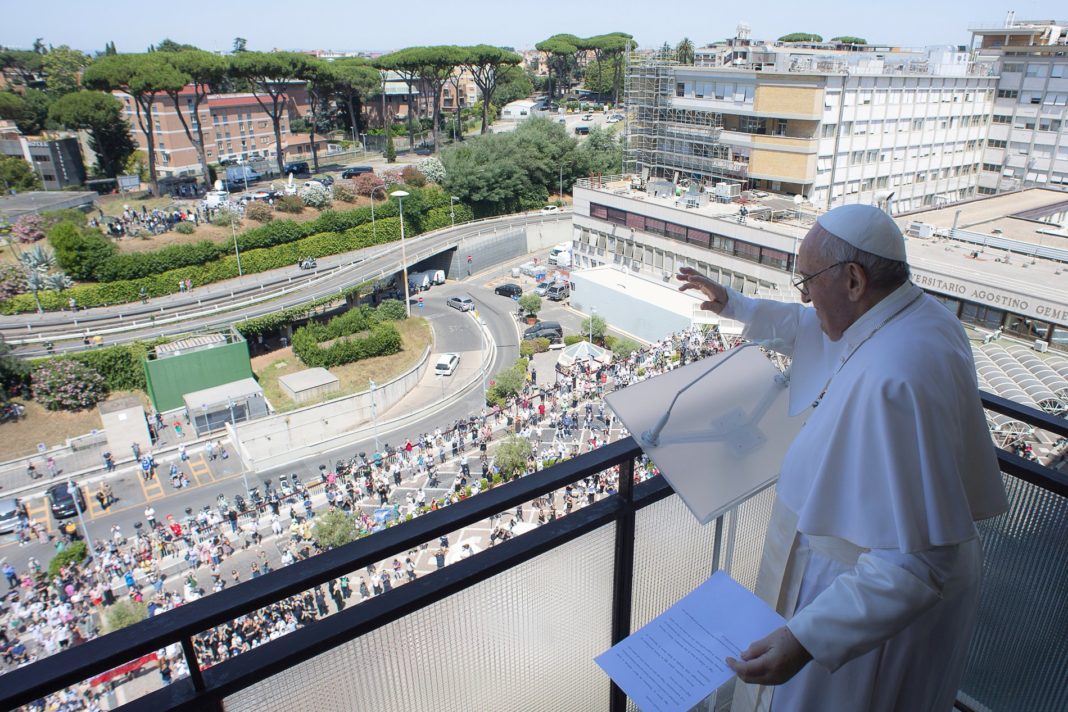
205, 688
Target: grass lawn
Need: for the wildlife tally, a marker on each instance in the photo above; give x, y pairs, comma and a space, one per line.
51, 427
353, 377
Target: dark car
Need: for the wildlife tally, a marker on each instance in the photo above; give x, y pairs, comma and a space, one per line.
61, 501
558, 292
353, 171
550, 330
298, 169
509, 290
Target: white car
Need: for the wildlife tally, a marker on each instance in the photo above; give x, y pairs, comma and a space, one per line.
446, 364
550, 209
587, 117
541, 289
461, 303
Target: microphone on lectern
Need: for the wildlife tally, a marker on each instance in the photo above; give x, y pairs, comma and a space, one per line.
651, 437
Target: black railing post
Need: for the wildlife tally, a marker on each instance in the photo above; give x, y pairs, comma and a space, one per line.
623, 581
192, 663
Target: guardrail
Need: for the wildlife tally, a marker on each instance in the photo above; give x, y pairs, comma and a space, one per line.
612, 537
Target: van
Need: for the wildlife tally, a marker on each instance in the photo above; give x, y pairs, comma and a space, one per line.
550, 330
419, 281
353, 171
564, 248
437, 276
298, 169
558, 292
582, 130
216, 198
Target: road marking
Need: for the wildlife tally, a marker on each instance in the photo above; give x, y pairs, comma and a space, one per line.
152, 488
40, 512
199, 467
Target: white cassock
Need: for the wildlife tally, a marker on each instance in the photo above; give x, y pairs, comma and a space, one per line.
872, 553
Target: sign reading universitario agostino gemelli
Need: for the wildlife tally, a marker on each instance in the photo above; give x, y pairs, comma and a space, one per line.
1015, 302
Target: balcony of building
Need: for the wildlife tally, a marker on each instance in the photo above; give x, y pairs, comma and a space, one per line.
516, 627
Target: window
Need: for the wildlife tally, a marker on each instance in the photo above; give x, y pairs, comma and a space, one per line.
617, 216
992, 167
1056, 71
993, 143
1049, 124
598, 211
1037, 70
680, 89
1007, 93
1012, 67
1031, 97
1002, 119
827, 130
698, 237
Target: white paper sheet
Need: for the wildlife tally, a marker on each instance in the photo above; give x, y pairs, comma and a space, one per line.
679, 658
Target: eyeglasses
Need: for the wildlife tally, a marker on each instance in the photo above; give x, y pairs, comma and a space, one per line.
800, 283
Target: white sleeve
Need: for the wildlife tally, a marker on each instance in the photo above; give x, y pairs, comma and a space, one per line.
765, 319
879, 598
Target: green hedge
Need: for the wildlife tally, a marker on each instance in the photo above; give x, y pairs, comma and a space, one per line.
252, 261
75, 552
382, 339
278, 244
120, 365
275, 320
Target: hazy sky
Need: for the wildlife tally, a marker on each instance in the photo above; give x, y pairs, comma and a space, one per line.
363, 25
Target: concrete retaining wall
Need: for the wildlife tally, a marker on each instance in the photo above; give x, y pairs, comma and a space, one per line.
306, 432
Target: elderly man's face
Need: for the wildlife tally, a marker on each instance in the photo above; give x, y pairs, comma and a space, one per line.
828, 292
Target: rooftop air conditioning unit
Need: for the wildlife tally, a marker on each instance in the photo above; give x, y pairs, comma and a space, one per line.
1040, 346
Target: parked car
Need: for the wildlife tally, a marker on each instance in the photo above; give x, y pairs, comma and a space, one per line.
353, 171
61, 501
10, 509
550, 209
298, 169
424, 149
461, 303
541, 288
558, 292
446, 364
614, 118
508, 289
550, 330
582, 130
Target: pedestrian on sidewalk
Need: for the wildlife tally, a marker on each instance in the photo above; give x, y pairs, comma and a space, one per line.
51, 464
211, 450
182, 454
31, 470
109, 463
136, 450
178, 429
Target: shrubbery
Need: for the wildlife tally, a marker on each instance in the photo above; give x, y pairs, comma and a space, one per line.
344, 193
28, 228
62, 384
289, 204
391, 310
223, 218
432, 168
260, 212
315, 195
366, 182
73, 553
413, 176
12, 281
382, 339
185, 228
79, 251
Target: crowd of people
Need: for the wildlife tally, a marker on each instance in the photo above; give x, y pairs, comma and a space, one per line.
171, 560
133, 221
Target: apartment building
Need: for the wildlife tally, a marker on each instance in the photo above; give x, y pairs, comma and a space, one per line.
1027, 144
57, 161
235, 127
835, 127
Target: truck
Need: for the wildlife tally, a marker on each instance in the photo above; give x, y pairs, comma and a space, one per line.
238, 176
561, 255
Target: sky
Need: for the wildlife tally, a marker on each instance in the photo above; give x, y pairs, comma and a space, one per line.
355, 25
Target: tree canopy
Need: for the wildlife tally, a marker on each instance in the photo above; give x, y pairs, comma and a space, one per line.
16, 174
850, 39
101, 115
801, 37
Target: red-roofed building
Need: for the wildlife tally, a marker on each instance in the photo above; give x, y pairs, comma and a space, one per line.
236, 126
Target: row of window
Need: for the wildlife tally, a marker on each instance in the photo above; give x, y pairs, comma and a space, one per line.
914, 96
725, 91
693, 236
1035, 97
992, 318
1054, 71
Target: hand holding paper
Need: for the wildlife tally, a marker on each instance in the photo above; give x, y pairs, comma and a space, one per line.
680, 657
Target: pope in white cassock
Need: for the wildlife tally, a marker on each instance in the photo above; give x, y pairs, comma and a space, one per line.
872, 554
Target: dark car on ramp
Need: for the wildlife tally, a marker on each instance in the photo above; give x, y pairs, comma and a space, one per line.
509, 290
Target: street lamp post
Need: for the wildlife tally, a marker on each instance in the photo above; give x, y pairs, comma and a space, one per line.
237, 252
593, 310
233, 422
374, 232
72, 490
374, 420
400, 195
453, 200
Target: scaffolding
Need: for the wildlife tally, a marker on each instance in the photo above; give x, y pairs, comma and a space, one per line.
667, 141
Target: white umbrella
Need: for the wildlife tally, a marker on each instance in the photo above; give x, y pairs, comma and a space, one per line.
583, 351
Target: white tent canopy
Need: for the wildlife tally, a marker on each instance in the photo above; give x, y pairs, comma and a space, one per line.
583, 351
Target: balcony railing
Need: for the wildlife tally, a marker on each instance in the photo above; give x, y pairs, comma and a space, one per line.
517, 626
